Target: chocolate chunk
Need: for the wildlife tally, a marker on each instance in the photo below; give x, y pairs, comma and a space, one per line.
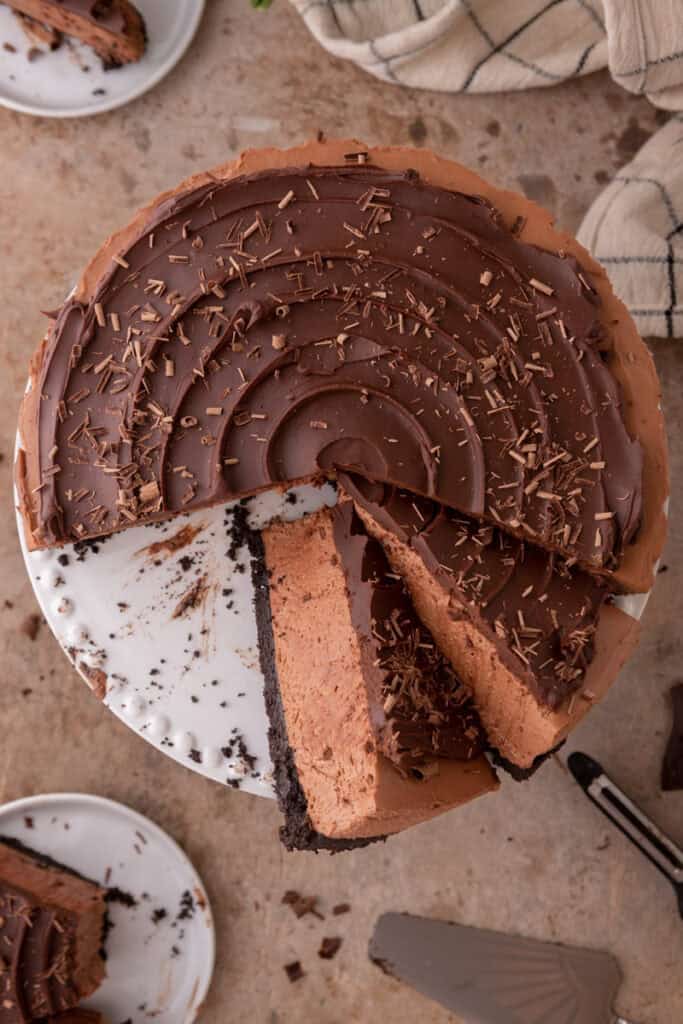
329, 948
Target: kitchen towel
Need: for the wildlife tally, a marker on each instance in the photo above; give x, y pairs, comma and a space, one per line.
635, 227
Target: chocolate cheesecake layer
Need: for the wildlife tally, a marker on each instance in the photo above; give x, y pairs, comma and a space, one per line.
282, 325
531, 637
372, 731
114, 28
51, 928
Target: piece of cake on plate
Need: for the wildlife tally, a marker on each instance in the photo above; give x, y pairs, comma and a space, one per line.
382, 315
51, 933
115, 29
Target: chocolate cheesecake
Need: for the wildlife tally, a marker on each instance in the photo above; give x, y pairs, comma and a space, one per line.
536, 641
384, 316
371, 729
51, 931
115, 29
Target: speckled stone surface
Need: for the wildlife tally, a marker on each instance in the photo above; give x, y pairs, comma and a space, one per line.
537, 858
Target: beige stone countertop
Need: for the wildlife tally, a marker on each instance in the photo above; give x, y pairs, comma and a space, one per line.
537, 858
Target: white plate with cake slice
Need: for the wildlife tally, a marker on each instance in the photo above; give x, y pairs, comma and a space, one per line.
71, 80
160, 947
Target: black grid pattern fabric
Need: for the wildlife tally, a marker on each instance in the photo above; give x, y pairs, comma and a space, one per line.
636, 226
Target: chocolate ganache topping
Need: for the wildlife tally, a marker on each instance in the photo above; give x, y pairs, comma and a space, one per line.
279, 326
35, 949
421, 710
541, 613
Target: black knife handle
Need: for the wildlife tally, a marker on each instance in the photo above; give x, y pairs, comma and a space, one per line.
629, 819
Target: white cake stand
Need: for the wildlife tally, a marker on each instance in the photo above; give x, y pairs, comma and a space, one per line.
186, 678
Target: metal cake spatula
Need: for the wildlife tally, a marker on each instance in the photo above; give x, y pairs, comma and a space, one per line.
486, 977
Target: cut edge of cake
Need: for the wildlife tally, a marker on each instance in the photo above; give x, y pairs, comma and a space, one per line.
335, 793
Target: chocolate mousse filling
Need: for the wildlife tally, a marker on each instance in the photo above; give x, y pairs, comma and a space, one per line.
371, 730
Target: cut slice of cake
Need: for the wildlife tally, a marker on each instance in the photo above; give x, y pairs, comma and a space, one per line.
51, 931
371, 730
533, 638
114, 28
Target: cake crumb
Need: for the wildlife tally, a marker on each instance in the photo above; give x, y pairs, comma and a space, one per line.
302, 905
294, 971
329, 947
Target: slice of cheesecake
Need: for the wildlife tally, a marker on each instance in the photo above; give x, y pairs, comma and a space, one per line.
532, 637
51, 929
371, 729
114, 28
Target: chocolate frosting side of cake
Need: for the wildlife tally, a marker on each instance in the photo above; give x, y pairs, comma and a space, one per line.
540, 614
297, 833
290, 323
419, 707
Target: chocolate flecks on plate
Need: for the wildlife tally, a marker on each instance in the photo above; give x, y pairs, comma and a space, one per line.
120, 896
187, 907
341, 908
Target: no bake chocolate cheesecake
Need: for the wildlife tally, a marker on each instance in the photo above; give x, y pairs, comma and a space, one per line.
384, 314
114, 28
51, 932
371, 729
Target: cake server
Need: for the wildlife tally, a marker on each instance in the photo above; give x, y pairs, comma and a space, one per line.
643, 833
487, 977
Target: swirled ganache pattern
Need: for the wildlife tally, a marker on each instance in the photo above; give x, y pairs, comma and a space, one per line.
35, 959
283, 325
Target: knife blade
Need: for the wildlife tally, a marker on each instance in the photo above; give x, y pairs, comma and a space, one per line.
488, 977
635, 825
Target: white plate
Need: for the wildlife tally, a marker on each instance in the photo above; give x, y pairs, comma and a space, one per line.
56, 84
165, 967
191, 685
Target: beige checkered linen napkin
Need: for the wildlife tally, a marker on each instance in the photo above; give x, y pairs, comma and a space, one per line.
636, 226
